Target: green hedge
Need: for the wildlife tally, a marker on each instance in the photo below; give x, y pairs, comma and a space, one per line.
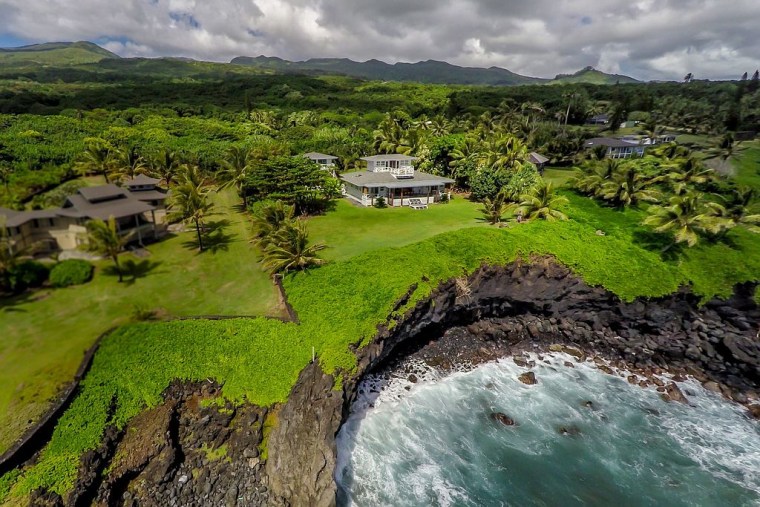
71, 272
28, 274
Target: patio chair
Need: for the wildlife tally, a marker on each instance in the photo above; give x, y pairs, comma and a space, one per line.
417, 204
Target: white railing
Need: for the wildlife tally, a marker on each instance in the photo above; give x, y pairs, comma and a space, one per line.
402, 171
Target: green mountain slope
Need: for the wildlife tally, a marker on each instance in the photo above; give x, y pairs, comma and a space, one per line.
430, 71
592, 76
54, 53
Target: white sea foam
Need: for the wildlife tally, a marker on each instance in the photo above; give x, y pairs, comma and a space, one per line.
432, 442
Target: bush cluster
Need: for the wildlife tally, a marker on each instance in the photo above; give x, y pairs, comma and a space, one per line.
27, 274
71, 272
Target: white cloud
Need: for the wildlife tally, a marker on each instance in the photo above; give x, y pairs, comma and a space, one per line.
653, 39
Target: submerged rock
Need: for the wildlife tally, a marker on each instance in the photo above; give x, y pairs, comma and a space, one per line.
503, 419
528, 378
570, 431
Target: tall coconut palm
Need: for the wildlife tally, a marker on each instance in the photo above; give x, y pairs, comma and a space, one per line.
97, 158
542, 203
741, 208
628, 188
686, 218
235, 167
268, 220
104, 238
190, 200
687, 173
165, 167
128, 163
590, 180
290, 250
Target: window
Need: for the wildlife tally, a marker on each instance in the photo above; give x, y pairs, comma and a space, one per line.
36, 224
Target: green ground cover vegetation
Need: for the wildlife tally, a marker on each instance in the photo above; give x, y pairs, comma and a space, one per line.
197, 126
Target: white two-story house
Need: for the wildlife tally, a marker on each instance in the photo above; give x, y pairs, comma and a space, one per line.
326, 162
394, 178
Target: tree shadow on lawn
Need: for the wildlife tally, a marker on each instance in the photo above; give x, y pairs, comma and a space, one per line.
133, 270
9, 303
215, 237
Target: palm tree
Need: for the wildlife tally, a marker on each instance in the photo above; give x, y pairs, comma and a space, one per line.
268, 220
494, 209
190, 200
542, 203
628, 188
726, 148
741, 209
687, 217
97, 158
290, 249
128, 163
105, 239
687, 173
590, 181
166, 167
235, 166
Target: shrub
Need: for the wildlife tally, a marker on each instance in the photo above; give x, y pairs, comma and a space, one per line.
71, 272
28, 274
380, 203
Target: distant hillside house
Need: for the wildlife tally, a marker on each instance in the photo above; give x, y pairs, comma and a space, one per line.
617, 148
326, 162
394, 178
138, 209
600, 119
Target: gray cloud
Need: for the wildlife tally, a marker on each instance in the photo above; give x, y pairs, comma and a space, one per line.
650, 39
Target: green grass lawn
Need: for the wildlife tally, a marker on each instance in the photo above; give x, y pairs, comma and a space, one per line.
44, 337
351, 230
558, 176
748, 166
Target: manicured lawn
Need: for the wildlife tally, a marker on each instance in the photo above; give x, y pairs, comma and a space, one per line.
351, 230
559, 176
44, 339
748, 166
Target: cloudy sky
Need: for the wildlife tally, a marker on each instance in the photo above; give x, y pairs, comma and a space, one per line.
648, 39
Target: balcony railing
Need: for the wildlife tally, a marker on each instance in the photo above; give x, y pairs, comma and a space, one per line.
402, 172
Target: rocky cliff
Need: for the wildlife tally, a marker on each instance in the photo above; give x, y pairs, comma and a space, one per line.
194, 451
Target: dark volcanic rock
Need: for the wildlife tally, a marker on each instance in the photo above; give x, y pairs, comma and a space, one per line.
528, 378
503, 419
302, 449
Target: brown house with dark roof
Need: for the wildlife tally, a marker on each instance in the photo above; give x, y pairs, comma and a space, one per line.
138, 209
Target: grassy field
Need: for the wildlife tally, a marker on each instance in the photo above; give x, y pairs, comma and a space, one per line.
44, 337
341, 303
351, 230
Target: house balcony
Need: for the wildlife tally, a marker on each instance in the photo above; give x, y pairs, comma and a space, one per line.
402, 172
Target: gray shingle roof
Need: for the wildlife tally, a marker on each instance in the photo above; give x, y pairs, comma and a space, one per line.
537, 158
102, 192
15, 218
609, 142
377, 158
142, 180
386, 179
313, 155
150, 195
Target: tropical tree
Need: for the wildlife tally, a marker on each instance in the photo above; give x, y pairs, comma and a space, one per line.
127, 163
494, 208
541, 202
97, 158
190, 200
5, 175
104, 238
589, 180
686, 218
628, 187
268, 219
687, 173
166, 167
741, 209
234, 170
290, 250
725, 148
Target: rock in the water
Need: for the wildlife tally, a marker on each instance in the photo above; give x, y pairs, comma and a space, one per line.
528, 378
673, 393
754, 411
520, 361
568, 364
503, 419
412, 378
570, 431
713, 387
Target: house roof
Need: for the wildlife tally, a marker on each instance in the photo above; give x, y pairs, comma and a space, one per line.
15, 218
317, 156
386, 179
537, 158
609, 142
378, 158
150, 195
142, 180
78, 207
102, 193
